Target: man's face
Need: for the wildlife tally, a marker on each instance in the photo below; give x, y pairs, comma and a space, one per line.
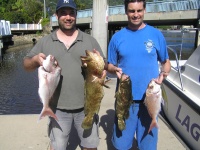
66, 18
135, 13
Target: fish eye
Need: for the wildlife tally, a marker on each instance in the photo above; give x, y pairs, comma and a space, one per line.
151, 87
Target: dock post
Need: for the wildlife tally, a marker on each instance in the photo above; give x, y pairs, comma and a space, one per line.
1, 46
100, 23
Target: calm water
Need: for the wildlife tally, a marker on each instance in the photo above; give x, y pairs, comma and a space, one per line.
18, 88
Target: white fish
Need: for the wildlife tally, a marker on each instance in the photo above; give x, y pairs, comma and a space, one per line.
49, 76
153, 102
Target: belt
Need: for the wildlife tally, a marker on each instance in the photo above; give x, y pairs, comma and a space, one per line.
137, 101
72, 111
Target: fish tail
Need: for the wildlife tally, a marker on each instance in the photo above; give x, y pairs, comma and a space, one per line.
47, 112
101, 81
106, 86
121, 124
87, 122
154, 123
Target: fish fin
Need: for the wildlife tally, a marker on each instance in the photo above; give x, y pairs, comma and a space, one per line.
107, 79
117, 95
162, 101
153, 124
87, 122
47, 112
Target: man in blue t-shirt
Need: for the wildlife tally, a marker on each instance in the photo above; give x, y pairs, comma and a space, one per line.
135, 51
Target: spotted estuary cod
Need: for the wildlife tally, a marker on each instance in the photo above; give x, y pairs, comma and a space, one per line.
153, 102
93, 65
123, 100
49, 76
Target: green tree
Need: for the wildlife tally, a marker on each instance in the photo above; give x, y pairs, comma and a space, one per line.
32, 10
5, 7
21, 11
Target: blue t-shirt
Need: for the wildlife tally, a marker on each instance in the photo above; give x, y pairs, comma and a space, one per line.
137, 53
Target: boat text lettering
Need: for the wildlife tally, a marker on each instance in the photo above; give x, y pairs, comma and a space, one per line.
192, 128
199, 78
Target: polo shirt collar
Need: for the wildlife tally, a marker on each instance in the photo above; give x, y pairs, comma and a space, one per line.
79, 37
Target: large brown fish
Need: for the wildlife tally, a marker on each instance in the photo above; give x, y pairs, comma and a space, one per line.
123, 100
49, 76
153, 102
93, 65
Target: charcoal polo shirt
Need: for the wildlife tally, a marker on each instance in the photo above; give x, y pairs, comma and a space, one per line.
70, 93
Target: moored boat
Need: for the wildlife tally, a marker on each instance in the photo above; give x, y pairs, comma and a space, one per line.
181, 93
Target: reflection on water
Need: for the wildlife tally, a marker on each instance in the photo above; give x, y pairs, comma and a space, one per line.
18, 88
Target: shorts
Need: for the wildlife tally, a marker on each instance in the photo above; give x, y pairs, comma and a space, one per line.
59, 131
138, 123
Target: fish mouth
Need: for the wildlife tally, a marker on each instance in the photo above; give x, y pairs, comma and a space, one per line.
52, 58
124, 77
86, 57
157, 91
87, 52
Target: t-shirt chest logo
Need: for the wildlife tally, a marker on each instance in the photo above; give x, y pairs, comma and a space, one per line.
149, 45
66, 1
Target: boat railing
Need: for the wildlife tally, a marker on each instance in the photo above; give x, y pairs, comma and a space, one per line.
178, 59
181, 48
184, 38
178, 68
185, 31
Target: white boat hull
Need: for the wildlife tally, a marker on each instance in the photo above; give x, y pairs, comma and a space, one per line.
181, 93
184, 119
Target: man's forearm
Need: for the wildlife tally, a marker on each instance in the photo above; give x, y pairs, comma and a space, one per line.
166, 67
112, 69
30, 64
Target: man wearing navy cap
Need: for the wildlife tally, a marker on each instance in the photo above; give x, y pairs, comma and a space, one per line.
67, 44
66, 3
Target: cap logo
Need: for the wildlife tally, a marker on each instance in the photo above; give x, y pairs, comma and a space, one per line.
66, 1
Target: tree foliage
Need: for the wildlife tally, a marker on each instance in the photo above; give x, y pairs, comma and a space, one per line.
21, 11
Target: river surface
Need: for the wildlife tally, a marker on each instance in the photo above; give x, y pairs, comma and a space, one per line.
18, 88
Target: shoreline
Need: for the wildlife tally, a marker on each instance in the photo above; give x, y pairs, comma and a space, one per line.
23, 41
26, 39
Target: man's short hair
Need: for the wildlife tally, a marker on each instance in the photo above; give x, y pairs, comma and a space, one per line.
126, 2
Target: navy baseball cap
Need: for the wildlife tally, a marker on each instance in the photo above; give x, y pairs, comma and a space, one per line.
65, 3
